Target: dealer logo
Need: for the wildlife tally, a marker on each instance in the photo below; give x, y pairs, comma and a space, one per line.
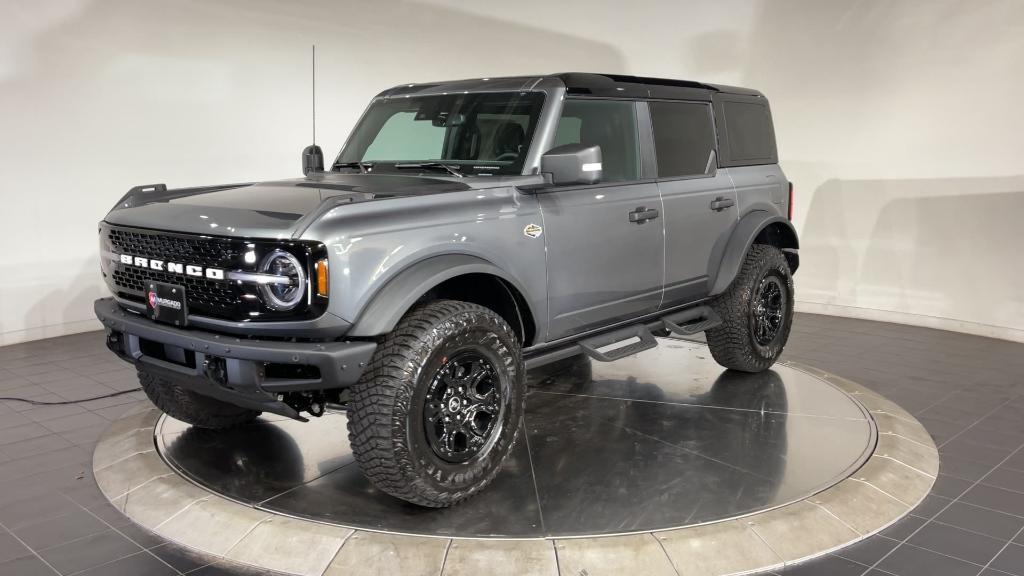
156, 301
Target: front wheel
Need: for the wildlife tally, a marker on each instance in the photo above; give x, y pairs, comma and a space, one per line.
756, 312
437, 410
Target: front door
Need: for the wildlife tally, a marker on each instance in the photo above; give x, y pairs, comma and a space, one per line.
605, 242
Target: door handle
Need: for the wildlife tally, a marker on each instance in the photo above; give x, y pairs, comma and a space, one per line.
641, 215
721, 203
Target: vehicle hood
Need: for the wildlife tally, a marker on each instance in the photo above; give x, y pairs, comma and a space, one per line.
267, 209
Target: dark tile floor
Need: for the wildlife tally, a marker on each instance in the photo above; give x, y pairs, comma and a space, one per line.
53, 518
967, 391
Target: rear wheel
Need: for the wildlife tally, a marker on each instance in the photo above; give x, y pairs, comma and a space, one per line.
437, 410
756, 312
191, 408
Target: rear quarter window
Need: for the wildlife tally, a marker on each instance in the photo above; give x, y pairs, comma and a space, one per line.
748, 126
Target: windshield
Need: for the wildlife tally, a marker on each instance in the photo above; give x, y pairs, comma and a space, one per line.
475, 133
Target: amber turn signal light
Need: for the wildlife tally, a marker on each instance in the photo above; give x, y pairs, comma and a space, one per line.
323, 280
789, 210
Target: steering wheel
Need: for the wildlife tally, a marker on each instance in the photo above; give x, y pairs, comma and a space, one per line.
507, 156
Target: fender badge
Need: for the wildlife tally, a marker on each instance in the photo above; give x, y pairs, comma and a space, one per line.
532, 231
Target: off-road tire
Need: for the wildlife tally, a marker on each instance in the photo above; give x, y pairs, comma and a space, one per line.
191, 408
385, 417
732, 343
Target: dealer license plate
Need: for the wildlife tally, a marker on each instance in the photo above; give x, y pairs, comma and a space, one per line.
166, 303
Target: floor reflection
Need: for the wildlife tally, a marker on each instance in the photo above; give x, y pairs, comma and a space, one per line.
256, 462
658, 440
654, 463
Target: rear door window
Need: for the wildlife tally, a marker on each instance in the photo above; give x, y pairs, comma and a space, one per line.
684, 137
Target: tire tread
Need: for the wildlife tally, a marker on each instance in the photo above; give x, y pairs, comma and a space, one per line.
731, 342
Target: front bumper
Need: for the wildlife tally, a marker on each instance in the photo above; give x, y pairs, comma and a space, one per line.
245, 368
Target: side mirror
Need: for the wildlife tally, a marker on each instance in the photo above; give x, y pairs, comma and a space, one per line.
312, 159
572, 164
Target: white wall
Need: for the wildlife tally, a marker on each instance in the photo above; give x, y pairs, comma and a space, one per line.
894, 121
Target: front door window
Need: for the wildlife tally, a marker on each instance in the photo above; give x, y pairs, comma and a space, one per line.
610, 124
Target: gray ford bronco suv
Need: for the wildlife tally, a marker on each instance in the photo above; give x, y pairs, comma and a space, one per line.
468, 231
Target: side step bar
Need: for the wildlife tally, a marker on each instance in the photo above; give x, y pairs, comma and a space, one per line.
645, 341
685, 323
692, 321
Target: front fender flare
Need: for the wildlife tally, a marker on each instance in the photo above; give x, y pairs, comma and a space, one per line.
391, 301
743, 236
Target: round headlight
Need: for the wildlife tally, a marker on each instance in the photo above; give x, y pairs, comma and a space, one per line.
281, 296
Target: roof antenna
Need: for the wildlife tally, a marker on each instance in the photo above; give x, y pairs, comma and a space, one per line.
312, 155
314, 94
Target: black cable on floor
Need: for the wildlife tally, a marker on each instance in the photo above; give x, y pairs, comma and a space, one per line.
61, 403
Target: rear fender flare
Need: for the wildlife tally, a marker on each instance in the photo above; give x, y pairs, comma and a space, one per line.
742, 239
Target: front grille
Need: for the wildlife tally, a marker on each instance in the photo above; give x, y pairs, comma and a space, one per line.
205, 251
206, 297
224, 299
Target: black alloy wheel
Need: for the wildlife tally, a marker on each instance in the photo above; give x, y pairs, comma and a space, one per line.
463, 407
767, 309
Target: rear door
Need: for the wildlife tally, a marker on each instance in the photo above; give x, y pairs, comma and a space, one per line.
604, 263
747, 140
700, 200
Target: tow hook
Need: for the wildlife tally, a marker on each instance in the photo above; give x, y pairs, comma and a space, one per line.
216, 369
115, 343
313, 402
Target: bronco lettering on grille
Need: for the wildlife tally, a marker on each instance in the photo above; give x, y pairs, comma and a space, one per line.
172, 267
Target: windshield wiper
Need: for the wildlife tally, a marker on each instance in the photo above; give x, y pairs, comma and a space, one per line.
449, 168
363, 166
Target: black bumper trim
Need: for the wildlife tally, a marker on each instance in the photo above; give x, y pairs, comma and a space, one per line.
340, 363
246, 398
325, 326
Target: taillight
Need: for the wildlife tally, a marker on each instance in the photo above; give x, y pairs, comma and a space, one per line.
789, 209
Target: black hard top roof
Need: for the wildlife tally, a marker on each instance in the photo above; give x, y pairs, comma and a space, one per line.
587, 83
611, 84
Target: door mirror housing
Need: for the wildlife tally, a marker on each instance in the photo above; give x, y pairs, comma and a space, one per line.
312, 159
572, 164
